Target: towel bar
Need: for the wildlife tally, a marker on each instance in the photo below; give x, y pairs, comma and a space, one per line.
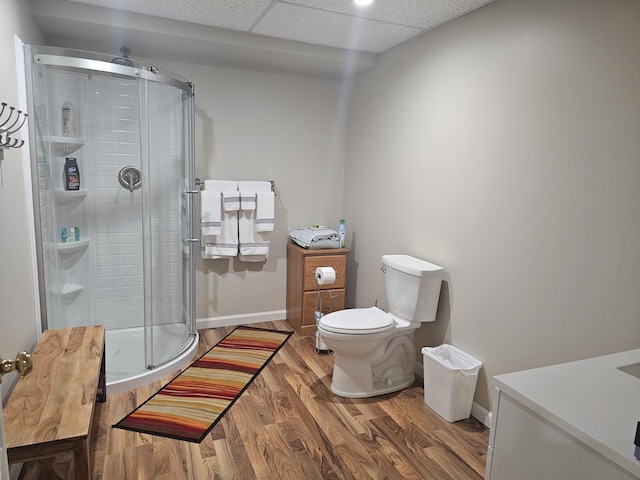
200, 185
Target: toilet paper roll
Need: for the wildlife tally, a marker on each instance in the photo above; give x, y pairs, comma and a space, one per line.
325, 275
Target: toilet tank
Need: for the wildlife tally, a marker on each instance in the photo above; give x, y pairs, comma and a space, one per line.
412, 287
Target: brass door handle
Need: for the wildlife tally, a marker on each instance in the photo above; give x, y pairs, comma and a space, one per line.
22, 364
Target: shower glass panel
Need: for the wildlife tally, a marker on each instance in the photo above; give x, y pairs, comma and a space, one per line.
118, 251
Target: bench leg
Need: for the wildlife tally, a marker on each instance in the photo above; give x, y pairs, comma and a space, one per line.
81, 460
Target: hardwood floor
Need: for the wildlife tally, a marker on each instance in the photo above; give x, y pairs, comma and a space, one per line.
288, 425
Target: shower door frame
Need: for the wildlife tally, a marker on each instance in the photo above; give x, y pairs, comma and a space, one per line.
56, 57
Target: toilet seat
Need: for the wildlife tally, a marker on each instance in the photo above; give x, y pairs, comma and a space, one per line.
357, 321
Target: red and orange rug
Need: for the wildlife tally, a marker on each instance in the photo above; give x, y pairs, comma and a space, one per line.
190, 405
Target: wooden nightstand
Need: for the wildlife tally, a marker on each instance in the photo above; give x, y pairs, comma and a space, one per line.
302, 287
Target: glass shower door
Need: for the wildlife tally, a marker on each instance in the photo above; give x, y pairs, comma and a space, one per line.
168, 200
132, 266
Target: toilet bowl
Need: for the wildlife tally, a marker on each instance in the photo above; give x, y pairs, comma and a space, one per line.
374, 353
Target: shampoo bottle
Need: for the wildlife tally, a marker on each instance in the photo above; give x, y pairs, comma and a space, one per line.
68, 129
343, 233
71, 174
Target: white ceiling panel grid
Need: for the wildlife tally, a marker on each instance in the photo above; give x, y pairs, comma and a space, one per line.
331, 29
331, 23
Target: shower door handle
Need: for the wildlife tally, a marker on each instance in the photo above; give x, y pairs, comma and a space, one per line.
192, 192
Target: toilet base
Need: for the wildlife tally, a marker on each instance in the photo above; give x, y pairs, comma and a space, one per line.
379, 388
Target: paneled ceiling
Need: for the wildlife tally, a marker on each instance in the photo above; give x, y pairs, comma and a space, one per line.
194, 27
331, 23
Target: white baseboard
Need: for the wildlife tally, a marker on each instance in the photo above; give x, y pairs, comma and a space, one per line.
481, 414
240, 319
477, 411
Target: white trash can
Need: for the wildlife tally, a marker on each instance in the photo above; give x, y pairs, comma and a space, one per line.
450, 378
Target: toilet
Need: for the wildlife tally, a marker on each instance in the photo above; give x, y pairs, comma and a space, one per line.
373, 350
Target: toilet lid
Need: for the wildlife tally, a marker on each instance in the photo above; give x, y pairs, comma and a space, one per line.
357, 321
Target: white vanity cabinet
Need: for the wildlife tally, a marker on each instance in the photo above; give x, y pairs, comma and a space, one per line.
574, 421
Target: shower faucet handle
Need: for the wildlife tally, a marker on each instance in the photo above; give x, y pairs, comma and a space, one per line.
130, 178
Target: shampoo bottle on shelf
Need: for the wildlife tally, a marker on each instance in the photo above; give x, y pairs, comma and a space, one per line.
343, 233
68, 128
71, 174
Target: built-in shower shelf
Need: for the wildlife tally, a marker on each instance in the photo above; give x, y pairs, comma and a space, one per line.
67, 197
70, 291
63, 146
66, 249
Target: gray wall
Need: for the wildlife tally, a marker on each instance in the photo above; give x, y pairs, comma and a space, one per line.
263, 126
505, 147
17, 302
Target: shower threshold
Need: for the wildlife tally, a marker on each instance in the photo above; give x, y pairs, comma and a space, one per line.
126, 366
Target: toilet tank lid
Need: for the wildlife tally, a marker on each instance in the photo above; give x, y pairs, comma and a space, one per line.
411, 265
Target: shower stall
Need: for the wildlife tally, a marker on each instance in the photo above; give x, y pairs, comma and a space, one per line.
117, 249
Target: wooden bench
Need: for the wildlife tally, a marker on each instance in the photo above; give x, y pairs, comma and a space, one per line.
50, 411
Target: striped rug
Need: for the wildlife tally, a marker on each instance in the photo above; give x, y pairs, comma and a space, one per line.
190, 405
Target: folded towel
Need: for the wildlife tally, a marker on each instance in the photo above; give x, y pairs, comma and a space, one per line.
226, 243
265, 211
230, 200
251, 242
247, 200
319, 244
313, 237
210, 212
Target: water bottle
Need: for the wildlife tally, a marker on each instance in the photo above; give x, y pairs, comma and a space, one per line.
343, 233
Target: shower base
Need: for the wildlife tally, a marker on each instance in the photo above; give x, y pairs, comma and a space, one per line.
126, 367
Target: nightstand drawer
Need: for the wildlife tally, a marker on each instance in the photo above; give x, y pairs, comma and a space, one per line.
339, 264
332, 300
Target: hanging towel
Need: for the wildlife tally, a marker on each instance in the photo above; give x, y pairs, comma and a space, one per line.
247, 200
254, 186
248, 189
221, 185
253, 246
231, 200
210, 212
265, 211
226, 244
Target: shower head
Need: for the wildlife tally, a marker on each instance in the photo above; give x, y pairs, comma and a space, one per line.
124, 58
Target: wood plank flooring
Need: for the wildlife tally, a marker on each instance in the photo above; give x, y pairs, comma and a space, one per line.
288, 425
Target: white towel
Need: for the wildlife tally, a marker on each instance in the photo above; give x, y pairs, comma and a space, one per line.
254, 186
247, 200
231, 201
221, 185
226, 244
265, 211
253, 246
210, 212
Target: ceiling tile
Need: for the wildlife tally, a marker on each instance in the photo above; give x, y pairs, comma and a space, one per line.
422, 14
321, 27
231, 14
